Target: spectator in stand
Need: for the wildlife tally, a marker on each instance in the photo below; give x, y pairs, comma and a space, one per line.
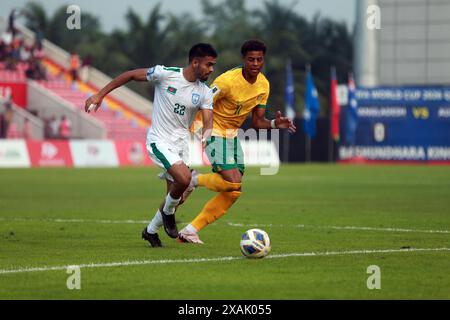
51, 128
15, 53
39, 37
85, 66
7, 117
38, 54
27, 130
13, 15
34, 72
25, 53
47, 128
2, 50
7, 37
7, 40
10, 126
65, 128
41, 71
12, 133
74, 65
2, 121
38, 51
31, 72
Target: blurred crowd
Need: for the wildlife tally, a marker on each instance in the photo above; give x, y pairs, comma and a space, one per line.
17, 55
14, 51
54, 128
57, 129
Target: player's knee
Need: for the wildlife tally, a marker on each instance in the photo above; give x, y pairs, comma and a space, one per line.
183, 181
232, 178
232, 186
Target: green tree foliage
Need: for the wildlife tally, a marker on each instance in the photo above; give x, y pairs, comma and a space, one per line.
165, 38
36, 17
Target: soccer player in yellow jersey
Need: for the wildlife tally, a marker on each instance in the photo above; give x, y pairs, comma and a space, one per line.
237, 93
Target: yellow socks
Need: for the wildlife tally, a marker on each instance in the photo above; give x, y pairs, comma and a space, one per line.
215, 182
215, 208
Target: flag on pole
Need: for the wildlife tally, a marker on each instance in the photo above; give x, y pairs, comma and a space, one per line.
289, 92
311, 106
335, 108
352, 112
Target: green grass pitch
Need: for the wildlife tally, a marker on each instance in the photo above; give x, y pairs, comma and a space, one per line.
59, 217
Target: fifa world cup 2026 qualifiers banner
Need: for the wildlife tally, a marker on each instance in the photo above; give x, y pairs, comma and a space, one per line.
397, 124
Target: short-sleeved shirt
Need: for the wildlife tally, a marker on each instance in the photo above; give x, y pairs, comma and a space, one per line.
175, 104
234, 99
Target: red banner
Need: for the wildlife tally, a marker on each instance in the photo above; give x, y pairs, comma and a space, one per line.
50, 153
132, 153
335, 108
18, 91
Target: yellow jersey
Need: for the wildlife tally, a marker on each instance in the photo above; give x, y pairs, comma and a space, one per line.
234, 99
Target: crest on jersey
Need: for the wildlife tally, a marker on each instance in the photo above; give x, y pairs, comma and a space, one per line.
195, 98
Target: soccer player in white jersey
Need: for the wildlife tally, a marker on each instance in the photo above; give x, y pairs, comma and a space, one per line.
179, 94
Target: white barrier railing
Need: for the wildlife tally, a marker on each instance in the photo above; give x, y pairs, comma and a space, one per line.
19, 118
49, 104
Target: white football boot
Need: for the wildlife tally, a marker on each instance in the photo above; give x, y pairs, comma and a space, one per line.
190, 237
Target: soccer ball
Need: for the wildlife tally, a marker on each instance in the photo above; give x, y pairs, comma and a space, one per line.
255, 243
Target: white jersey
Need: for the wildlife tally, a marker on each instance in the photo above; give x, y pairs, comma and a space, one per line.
175, 104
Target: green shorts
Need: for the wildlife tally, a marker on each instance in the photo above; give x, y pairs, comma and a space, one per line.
225, 154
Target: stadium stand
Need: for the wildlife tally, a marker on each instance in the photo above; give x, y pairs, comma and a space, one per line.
116, 120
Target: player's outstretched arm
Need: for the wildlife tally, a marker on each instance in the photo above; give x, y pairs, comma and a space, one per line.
259, 121
96, 99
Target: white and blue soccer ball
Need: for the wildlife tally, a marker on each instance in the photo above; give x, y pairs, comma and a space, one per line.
255, 243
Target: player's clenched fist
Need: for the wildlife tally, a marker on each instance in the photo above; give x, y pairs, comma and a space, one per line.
93, 103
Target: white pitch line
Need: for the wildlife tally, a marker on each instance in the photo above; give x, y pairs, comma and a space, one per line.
385, 229
78, 220
232, 224
219, 259
338, 228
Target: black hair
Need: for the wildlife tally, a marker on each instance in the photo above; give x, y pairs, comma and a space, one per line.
253, 45
201, 50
